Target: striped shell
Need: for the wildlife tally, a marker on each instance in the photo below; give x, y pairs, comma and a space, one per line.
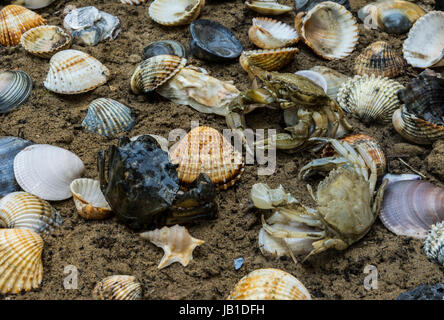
205, 150
45, 41
268, 33
175, 12
108, 117
370, 98
15, 88
20, 260
118, 287
334, 79
74, 72
269, 284
133, 2
270, 59
434, 243
23, 210
271, 8
89, 199
15, 21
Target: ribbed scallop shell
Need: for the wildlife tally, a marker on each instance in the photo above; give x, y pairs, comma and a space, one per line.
205, 150
270, 59
269, 284
20, 260
370, 98
15, 21
330, 30
175, 12
15, 88
133, 2
267, 33
89, 199
108, 117
434, 243
45, 41
73, 72
47, 171
334, 79
410, 208
155, 71
271, 8
379, 59
118, 287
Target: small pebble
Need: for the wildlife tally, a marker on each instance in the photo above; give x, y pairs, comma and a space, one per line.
238, 263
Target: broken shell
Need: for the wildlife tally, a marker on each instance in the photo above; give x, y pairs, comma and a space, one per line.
434, 243
118, 287
306, 5
89, 199
315, 77
267, 7
15, 21
161, 47
334, 79
15, 88
22, 210
410, 208
20, 260
269, 284
44, 41
269, 60
268, 33
163, 143
36, 4
133, 2
175, 12
47, 171
205, 150
176, 242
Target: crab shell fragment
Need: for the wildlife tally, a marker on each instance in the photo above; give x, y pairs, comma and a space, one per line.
89, 199
118, 287
267, 33
175, 12
45, 41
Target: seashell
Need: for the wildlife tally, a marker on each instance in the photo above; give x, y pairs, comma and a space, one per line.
268, 33
73, 72
269, 284
133, 2
20, 260
22, 210
315, 77
400, 177
205, 150
306, 5
108, 117
118, 287
15, 88
175, 12
89, 199
35, 4
370, 98
154, 72
270, 59
161, 47
410, 208
267, 7
15, 21
213, 42
329, 29
379, 59
44, 41
334, 79
176, 242
434, 243
47, 171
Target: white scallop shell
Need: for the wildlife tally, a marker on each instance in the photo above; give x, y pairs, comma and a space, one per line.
268, 33
89, 199
175, 12
434, 243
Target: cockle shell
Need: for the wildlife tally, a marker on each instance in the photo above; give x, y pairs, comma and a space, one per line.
370, 98
44, 41
118, 287
306, 5
133, 2
175, 12
269, 59
205, 150
20, 260
267, 33
334, 79
267, 7
73, 72
176, 242
269, 284
15, 88
47, 171
15, 21
89, 199
434, 243
410, 208
160, 47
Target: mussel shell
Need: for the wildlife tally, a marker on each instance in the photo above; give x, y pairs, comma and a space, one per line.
213, 42
161, 47
15, 88
306, 5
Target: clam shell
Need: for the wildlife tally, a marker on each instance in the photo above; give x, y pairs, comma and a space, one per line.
73, 72
434, 243
44, 41
205, 150
175, 12
306, 5
270, 59
15, 21
20, 260
269, 284
37, 4
334, 79
410, 208
22, 210
89, 199
315, 77
108, 117
118, 287
271, 8
370, 98
170, 47
267, 33
47, 171
134, 2
15, 88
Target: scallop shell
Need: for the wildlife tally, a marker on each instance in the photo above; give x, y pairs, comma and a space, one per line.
370, 98
89, 199
176, 242
379, 59
434, 243
410, 208
269, 284
20, 260
47, 171
268, 33
271, 8
155, 71
270, 59
23, 210
334, 79
134, 2
175, 12
108, 117
44, 41
118, 287
205, 150
73, 72
329, 29
15, 88
15, 21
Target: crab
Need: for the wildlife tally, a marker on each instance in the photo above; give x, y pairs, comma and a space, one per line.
142, 187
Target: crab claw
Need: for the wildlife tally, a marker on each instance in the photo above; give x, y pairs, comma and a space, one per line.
284, 141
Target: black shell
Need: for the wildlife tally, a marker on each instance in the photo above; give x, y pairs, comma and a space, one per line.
161, 47
306, 5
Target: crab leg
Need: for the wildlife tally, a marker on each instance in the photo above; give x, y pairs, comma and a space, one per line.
278, 233
334, 120
294, 215
324, 164
325, 244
